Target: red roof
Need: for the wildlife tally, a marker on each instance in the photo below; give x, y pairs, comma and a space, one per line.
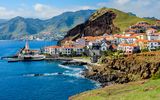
78, 46
132, 45
68, 47
141, 40
154, 41
53, 47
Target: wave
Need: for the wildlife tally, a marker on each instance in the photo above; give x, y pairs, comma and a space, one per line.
97, 84
74, 74
86, 67
66, 73
44, 74
69, 68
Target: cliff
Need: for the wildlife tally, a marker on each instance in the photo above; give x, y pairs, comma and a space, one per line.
123, 70
142, 71
98, 24
104, 20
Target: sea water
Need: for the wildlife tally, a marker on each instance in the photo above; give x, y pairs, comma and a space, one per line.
39, 80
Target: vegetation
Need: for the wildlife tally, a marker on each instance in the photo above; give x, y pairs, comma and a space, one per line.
18, 27
123, 20
112, 54
145, 50
142, 90
156, 76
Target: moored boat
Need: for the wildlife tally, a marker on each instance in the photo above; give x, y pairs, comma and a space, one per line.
25, 54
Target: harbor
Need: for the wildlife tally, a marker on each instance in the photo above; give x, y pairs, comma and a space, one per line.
25, 54
38, 80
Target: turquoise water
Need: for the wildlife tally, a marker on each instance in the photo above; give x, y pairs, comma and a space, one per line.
18, 80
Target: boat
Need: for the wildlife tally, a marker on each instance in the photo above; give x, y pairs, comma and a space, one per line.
26, 54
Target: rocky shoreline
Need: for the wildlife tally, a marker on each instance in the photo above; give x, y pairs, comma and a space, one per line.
118, 70
123, 70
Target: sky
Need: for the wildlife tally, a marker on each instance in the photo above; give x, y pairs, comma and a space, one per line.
45, 9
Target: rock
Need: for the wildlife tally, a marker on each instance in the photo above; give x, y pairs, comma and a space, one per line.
97, 27
123, 70
74, 63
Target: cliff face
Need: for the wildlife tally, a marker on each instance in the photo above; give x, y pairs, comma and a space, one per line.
94, 27
124, 70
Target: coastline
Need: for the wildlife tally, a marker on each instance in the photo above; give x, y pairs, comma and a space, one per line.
121, 72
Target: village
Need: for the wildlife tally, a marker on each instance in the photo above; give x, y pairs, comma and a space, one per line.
137, 38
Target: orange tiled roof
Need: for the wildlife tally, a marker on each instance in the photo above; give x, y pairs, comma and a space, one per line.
120, 36
53, 47
124, 44
154, 41
152, 29
130, 33
35, 50
90, 38
158, 20
79, 46
68, 47
114, 46
141, 40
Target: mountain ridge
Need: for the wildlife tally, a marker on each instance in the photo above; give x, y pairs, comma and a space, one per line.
18, 27
112, 20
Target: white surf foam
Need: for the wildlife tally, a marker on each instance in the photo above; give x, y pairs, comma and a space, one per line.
38, 75
69, 68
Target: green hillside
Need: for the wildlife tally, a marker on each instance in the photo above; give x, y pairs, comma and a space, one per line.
142, 90
57, 26
123, 20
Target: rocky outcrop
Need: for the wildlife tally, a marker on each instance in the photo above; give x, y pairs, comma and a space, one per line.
123, 70
95, 26
73, 63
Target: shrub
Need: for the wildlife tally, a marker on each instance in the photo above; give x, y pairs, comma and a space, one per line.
145, 50
156, 75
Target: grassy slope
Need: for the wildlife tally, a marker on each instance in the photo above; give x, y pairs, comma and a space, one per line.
124, 20
142, 90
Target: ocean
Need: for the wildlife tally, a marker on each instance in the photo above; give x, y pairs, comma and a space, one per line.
18, 80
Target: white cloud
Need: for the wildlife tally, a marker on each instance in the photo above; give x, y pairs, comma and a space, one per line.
101, 4
40, 7
85, 7
141, 8
8, 13
46, 11
37, 11
122, 1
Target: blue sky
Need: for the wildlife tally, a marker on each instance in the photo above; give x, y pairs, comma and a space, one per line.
48, 8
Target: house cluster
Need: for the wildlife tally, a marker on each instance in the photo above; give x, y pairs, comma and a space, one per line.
137, 37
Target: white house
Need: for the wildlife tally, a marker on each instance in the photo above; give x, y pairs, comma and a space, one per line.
151, 31
128, 48
153, 44
104, 46
52, 50
79, 50
80, 42
154, 36
66, 50
94, 45
126, 39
